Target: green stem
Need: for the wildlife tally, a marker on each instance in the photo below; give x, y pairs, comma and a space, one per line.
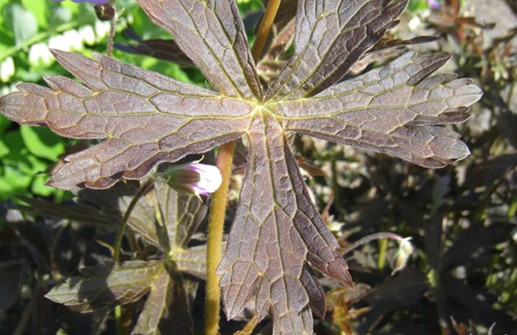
119, 324
37, 38
377, 236
215, 238
383, 248
122, 227
219, 199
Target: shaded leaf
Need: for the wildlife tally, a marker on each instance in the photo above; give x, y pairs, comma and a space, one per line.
507, 123
11, 277
277, 231
402, 290
393, 109
162, 49
166, 309
275, 59
146, 117
475, 242
330, 37
211, 34
182, 214
479, 305
489, 171
191, 260
107, 285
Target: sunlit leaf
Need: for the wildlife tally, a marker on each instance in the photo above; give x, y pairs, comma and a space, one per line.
147, 118
393, 109
330, 37
278, 234
211, 34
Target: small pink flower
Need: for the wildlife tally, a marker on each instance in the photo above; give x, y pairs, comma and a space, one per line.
194, 178
434, 4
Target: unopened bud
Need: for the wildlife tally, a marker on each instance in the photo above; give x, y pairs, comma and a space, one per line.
195, 178
405, 250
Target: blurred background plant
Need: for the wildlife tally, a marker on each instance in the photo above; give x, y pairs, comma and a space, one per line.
462, 277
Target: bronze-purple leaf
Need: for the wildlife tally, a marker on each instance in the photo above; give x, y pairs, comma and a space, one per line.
330, 37
391, 109
270, 244
145, 117
107, 285
277, 235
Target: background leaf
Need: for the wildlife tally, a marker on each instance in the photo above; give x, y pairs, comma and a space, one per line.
22, 22
107, 285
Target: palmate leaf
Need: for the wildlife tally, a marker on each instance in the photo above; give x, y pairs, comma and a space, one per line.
393, 109
107, 285
270, 244
277, 234
330, 37
146, 117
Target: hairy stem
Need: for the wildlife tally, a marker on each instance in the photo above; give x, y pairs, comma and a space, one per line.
218, 206
215, 239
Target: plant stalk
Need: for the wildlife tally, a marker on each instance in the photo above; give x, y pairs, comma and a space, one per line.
121, 329
265, 28
215, 239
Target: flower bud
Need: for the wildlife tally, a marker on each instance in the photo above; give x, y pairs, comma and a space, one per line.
405, 250
195, 178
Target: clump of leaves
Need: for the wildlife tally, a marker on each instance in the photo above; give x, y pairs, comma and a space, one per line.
277, 235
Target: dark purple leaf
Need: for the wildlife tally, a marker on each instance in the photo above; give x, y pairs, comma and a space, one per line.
402, 290
11, 277
277, 234
489, 171
162, 49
